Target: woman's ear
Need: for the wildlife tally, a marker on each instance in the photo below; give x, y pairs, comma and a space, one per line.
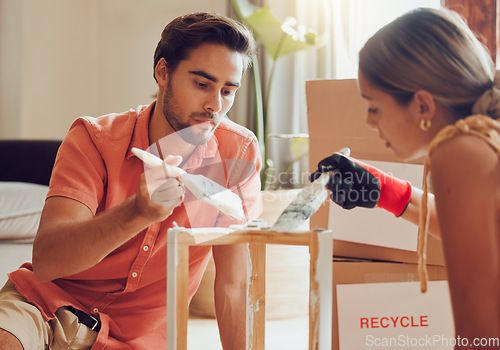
425, 105
161, 72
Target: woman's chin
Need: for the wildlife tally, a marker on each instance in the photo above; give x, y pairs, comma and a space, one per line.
408, 156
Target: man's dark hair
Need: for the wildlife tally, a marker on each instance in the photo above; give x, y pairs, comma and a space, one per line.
186, 33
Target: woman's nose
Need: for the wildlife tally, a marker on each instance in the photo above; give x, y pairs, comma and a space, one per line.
370, 121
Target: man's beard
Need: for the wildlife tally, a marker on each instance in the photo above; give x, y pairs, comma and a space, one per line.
198, 134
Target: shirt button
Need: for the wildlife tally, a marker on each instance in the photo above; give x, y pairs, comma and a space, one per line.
145, 248
95, 310
134, 274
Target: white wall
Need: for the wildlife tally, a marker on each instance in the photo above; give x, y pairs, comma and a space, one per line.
62, 59
10, 67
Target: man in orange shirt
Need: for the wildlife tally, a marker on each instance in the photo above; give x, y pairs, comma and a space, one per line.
98, 278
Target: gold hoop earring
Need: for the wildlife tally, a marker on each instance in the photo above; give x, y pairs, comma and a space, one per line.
425, 124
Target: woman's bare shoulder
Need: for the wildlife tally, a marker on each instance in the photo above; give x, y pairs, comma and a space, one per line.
465, 177
464, 155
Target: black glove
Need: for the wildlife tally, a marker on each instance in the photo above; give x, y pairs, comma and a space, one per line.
356, 184
351, 185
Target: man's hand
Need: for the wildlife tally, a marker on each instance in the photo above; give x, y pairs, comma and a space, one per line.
356, 184
160, 191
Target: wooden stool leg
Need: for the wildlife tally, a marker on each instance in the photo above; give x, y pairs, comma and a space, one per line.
320, 295
256, 291
177, 289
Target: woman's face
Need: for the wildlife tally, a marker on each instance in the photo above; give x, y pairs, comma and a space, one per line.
397, 124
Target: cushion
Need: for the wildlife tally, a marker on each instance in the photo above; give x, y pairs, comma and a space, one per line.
21, 205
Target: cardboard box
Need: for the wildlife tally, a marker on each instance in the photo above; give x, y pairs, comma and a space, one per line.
367, 294
337, 119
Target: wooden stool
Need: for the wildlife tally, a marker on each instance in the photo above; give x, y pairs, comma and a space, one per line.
320, 292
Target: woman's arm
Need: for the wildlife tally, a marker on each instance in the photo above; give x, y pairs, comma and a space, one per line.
412, 211
356, 183
465, 178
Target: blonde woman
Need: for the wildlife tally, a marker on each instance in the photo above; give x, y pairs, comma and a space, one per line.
432, 91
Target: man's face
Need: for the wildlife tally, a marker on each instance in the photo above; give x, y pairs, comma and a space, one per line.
201, 90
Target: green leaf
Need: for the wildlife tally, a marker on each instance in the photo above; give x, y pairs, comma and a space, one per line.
243, 8
281, 39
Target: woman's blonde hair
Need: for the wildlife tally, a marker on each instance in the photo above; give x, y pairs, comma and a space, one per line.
433, 50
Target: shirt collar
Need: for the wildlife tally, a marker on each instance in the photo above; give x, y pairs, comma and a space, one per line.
202, 152
140, 137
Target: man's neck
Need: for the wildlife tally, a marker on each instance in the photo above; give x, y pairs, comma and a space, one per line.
165, 138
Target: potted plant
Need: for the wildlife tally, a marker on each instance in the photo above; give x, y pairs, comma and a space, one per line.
279, 39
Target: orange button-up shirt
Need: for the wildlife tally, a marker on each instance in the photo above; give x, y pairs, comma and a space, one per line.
127, 289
